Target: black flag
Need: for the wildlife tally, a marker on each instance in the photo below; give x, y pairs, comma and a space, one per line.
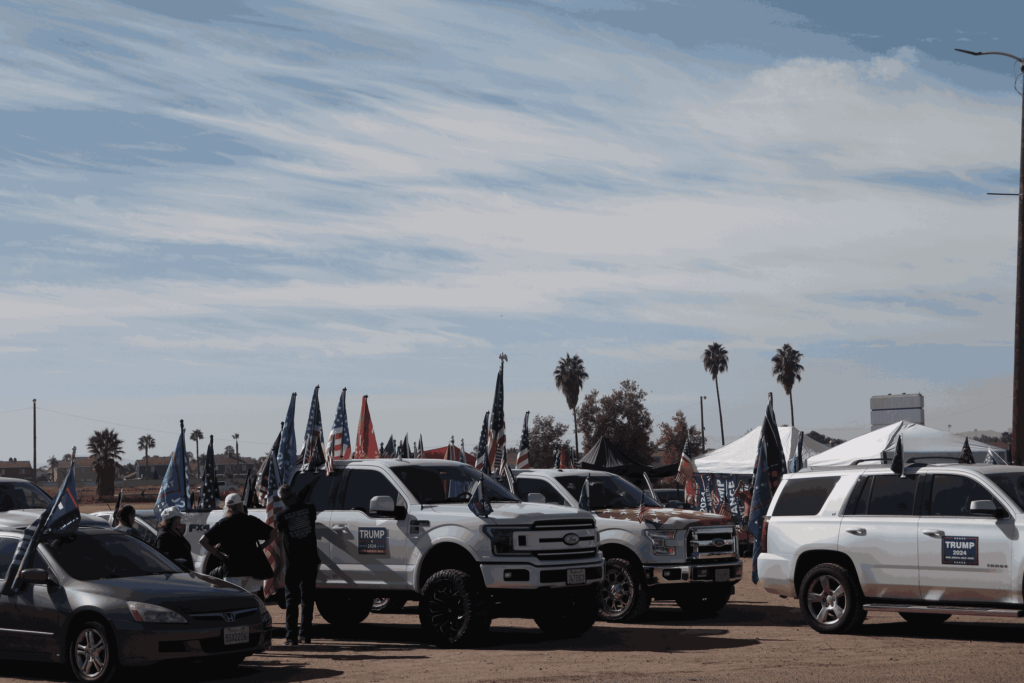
897, 462
117, 507
966, 456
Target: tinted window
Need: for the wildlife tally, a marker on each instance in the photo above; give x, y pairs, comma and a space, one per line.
891, 495
804, 496
1012, 485
7, 548
952, 495
526, 485
436, 484
315, 488
21, 496
89, 557
363, 485
608, 492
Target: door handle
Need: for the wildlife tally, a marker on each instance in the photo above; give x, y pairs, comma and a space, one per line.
339, 527
934, 533
857, 532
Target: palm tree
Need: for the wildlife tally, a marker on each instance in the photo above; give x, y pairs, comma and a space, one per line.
786, 368
105, 449
569, 378
237, 456
716, 361
145, 443
53, 462
197, 436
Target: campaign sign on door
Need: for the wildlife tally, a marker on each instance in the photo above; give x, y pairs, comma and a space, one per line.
960, 550
373, 541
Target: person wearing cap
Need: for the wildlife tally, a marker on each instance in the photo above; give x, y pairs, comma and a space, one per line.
235, 541
171, 539
296, 525
126, 521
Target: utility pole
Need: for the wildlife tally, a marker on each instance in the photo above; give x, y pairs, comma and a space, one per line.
703, 441
33, 441
1018, 344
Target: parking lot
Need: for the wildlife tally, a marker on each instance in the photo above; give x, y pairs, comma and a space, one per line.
757, 637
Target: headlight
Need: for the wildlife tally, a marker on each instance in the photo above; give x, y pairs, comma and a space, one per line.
503, 539
154, 614
660, 538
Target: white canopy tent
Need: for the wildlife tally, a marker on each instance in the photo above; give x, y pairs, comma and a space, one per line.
738, 457
918, 440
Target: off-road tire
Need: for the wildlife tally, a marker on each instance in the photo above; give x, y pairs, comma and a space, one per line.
382, 605
343, 608
454, 609
918, 619
622, 595
92, 653
700, 601
846, 613
568, 613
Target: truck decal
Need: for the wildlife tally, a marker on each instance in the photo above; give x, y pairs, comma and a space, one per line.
960, 550
373, 541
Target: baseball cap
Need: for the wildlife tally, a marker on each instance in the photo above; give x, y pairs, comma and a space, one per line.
170, 512
232, 499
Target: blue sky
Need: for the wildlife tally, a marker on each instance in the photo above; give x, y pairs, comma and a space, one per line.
207, 206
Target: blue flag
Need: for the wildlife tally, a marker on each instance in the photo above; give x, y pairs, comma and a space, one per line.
768, 470
286, 450
174, 491
61, 515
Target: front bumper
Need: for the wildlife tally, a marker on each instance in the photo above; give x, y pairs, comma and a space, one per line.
531, 577
670, 575
142, 644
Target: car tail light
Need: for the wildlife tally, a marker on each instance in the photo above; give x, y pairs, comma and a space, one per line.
764, 537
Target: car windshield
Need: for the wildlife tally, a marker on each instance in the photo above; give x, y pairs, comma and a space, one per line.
449, 483
21, 495
608, 492
1012, 484
90, 557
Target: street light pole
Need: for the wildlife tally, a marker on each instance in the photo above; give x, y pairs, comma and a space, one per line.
1018, 343
703, 442
34, 464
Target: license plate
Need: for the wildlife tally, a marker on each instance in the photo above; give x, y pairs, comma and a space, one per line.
236, 635
722, 574
575, 576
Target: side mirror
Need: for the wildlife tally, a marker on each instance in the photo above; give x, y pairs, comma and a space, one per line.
183, 563
985, 507
35, 576
382, 506
535, 498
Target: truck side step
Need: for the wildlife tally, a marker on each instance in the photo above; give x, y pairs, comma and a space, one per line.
945, 609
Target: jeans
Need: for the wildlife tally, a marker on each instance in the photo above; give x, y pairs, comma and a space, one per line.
299, 585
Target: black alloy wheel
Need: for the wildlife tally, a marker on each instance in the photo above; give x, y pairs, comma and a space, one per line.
622, 594
91, 653
453, 609
387, 605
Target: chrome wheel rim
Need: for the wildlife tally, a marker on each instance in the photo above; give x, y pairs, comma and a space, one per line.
380, 603
826, 600
616, 592
91, 653
447, 610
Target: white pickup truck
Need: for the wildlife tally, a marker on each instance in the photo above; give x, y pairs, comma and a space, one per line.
404, 529
682, 555
943, 539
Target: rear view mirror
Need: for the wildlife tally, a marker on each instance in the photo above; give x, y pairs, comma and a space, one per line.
35, 576
984, 507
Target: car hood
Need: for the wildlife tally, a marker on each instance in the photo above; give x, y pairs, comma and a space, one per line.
665, 517
515, 514
21, 519
190, 593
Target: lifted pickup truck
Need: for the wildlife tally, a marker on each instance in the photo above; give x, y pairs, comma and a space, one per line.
404, 529
682, 555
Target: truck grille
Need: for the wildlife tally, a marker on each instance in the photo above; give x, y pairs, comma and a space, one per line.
712, 543
564, 524
581, 554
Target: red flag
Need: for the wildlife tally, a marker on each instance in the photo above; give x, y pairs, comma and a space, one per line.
366, 440
563, 460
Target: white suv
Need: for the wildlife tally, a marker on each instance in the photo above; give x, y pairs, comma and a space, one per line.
403, 529
938, 541
682, 555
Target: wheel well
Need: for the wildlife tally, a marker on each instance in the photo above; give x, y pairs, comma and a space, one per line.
610, 550
813, 558
448, 556
79, 619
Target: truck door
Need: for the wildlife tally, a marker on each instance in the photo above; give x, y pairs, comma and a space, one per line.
881, 537
370, 552
963, 557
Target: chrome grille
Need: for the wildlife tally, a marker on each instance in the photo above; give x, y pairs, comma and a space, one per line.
712, 543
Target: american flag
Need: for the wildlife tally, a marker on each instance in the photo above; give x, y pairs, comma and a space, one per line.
209, 493
642, 510
405, 447
389, 450
366, 439
62, 514
481, 448
273, 552
339, 446
496, 435
267, 476
419, 447
523, 459
311, 442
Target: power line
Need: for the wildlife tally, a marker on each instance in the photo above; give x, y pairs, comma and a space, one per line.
118, 424
18, 410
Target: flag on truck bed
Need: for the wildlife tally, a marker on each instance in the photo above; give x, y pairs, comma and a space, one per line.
286, 449
482, 463
523, 457
312, 454
769, 467
496, 434
366, 439
174, 490
339, 446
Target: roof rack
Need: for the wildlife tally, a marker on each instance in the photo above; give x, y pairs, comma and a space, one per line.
857, 462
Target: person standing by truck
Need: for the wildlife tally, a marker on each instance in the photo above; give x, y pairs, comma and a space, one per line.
235, 541
126, 521
296, 525
171, 540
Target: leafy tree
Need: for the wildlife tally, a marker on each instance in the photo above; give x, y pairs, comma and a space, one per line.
569, 378
237, 456
197, 436
145, 443
53, 462
106, 449
67, 457
673, 436
786, 368
229, 451
546, 439
716, 361
622, 418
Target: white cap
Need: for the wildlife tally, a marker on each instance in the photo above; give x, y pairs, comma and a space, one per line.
169, 513
232, 499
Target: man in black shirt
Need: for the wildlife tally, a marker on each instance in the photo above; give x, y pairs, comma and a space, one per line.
297, 526
237, 539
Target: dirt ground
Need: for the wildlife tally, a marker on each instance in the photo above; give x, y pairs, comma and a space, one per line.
757, 637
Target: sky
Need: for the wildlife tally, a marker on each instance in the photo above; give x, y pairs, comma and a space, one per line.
205, 207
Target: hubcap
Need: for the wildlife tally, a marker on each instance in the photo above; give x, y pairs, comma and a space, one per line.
826, 600
616, 591
447, 609
91, 653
